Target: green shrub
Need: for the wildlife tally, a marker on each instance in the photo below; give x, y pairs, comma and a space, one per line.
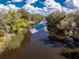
16, 40
63, 23
14, 25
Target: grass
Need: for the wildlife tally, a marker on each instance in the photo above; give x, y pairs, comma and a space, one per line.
15, 41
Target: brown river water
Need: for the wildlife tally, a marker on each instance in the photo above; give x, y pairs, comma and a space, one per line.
35, 48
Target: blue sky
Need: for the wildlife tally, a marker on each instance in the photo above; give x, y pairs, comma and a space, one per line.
21, 4
43, 7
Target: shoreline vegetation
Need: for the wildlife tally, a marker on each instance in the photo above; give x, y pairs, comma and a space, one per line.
64, 27
14, 25
63, 24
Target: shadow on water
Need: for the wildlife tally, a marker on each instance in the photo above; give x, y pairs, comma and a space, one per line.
45, 41
74, 55
31, 49
52, 43
36, 50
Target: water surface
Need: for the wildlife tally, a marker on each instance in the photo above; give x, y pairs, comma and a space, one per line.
36, 48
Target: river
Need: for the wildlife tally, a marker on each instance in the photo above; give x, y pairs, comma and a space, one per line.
36, 48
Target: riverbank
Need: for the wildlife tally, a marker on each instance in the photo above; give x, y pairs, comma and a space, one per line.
35, 49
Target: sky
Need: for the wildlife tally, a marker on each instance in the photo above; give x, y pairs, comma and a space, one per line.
43, 7
21, 3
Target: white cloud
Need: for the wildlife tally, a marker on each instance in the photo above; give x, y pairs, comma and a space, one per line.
32, 9
50, 7
3, 8
28, 6
31, 1
35, 10
52, 4
67, 10
8, 7
12, 7
16, 0
72, 4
